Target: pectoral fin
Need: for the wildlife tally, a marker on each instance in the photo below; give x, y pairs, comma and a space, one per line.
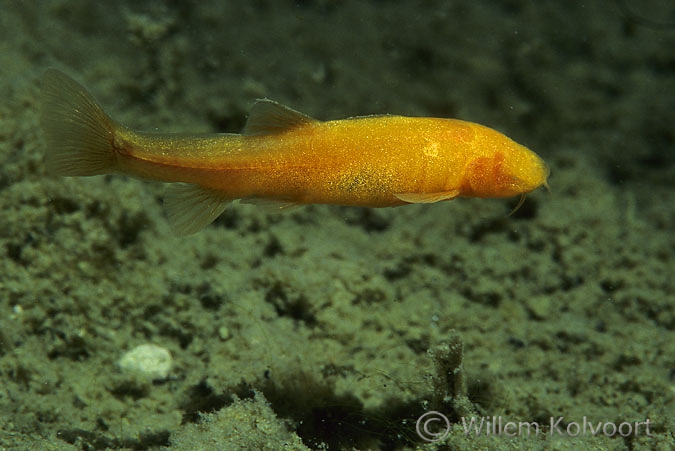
427, 198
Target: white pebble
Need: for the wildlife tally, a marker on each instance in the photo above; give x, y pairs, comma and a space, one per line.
151, 361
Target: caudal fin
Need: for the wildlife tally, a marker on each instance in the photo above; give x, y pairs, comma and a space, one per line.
78, 133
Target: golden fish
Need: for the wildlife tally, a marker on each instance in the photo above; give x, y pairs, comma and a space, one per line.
288, 158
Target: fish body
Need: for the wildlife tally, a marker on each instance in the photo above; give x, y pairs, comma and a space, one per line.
286, 158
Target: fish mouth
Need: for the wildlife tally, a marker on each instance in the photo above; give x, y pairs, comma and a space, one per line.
547, 174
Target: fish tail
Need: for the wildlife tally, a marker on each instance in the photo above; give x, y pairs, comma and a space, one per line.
78, 133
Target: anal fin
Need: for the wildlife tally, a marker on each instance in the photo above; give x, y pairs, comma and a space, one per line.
190, 208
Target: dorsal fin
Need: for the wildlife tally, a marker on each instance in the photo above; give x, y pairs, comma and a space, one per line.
268, 117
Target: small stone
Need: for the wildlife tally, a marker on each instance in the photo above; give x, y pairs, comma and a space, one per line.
224, 333
151, 361
539, 307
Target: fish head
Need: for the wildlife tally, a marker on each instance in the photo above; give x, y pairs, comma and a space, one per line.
506, 169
